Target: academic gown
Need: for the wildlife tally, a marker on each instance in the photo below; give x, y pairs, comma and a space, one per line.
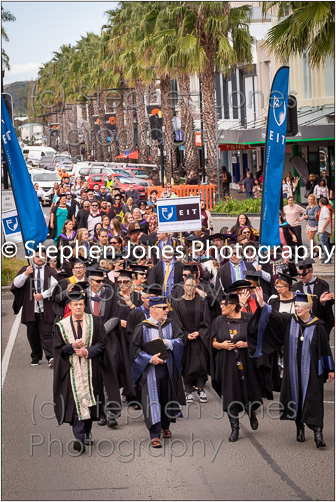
226, 276
115, 358
323, 312
156, 275
226, 377
306, 363
193, 315
143, 372
63, 395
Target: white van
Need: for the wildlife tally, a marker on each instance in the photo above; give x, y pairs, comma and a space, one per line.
33, 154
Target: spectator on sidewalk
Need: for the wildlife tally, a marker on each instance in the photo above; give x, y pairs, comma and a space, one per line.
294, 216
248, 185
321, 190
226, 178
324, 229
257, 189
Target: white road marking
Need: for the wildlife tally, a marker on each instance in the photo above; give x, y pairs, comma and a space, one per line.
9, 348
329, 402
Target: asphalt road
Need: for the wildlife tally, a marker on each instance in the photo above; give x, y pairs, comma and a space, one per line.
267, 464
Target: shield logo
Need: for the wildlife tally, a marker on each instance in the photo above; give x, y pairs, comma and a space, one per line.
279, 110
12, 224
166, 213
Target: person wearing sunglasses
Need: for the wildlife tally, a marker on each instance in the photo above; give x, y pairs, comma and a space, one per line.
308, 360
158, 379
233, 373
247, 232
192, 315
168, 193
139, 277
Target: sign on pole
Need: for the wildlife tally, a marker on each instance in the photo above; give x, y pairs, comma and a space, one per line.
11, 226
7, 201
181, 214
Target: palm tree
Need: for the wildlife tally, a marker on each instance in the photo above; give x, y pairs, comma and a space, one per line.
6, 17
303, 28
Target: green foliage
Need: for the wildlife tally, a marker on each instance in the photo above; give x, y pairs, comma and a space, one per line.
235, 207
20, 93
9, 269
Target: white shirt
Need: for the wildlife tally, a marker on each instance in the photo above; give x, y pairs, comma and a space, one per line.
324, 215
21, 279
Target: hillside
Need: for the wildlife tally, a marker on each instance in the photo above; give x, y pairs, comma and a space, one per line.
19, 91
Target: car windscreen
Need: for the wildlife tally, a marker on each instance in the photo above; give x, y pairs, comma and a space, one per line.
45, 177
127, 181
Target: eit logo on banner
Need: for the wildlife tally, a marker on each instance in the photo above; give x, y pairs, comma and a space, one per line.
167, 213
279, 110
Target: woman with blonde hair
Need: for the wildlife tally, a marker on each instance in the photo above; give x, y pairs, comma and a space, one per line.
128, 218
311, 222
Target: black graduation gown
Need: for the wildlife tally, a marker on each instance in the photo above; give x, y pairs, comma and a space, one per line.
23, 297
193, 315
63, 396
156, 275
224, 279
301, 394
323, 312
175, 388
225, 375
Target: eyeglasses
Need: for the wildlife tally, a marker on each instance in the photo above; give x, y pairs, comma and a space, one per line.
123, 282
94, 205
113, 242
78, 268
168, 186
142, 273
246, 233
98, 281
162, 308
185, 275
301, 274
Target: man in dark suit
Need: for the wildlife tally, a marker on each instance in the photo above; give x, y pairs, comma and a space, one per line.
167, 272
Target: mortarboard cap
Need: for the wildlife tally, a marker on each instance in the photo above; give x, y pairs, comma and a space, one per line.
135, 231
96, 271
152, 289
125, 273
138, 268
157, 300
240, 285
253, 274
78, 291
303, 297
285, 276
305, 263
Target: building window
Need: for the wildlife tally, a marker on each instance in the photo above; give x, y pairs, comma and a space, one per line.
329, 79
307, 90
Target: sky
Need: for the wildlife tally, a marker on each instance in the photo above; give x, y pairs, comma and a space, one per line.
42, 27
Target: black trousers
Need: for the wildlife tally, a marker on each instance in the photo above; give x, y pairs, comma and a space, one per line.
198, 382
298, 232
40, 338
162, 382
80, 427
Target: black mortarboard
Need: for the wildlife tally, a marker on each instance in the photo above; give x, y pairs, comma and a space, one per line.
192, 238
240, 285
220, 236
285, 276
125, 273
78, 291
308, 263
97, 271
253, 274
231, 298
138, 268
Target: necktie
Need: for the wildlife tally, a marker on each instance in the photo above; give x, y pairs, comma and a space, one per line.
166, 276
38, 281
79, 329
160, 330
309, 291
96, 306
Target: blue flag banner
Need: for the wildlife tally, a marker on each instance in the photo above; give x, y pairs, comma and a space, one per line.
274, 159
33, 225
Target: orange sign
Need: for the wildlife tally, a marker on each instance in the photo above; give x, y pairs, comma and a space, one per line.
198, 138
237, 146
112, 120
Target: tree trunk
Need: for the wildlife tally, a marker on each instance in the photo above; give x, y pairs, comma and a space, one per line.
209, 124
102, 136
99, 149
143, 147
74, 148
85, 131
167, 114
128, 136
191, 154
93, 132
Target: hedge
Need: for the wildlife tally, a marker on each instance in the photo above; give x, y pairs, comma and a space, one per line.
236, 207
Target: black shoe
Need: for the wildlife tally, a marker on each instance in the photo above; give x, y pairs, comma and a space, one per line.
112, 423
234, 435
34, 362
78, 446
88, 439
300, 433
102, 420
318, 437
254, 421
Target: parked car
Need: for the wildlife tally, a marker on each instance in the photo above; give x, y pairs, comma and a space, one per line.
59, 158
45, 161
122, 182
45, 179
33, 154
139, 173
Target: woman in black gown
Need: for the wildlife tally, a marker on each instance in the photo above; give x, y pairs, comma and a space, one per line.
233, 372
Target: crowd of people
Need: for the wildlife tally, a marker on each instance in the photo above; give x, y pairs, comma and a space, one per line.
149, 331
